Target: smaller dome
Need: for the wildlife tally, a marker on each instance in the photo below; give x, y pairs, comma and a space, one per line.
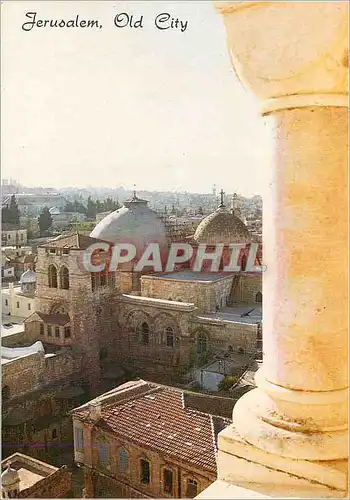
9, 477
54, 211
221, 227
28, 276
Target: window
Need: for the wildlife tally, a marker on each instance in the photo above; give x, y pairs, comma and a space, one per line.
6, 302
17, 305
54, 434
192, 487
123, 460
22, 236
258, 297
65, 251
67, 332
42, 329
201, 343
29, 307
168, 481
49, 330
64, 278
78, 438
52, 275
169, 333
145, 471
103, 454
145, 333
57, 331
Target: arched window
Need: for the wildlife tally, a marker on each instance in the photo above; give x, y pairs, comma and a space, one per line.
145, 333
169, 336
258, 297
54, 434
52, 274
123, 460
145, 472
201, 343
64, 278
5, 393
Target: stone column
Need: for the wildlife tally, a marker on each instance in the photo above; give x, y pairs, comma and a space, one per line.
290, 433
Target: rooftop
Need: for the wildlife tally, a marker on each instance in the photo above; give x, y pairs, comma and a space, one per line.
178, 423
238, 314
74, 241
190, 276
29, 469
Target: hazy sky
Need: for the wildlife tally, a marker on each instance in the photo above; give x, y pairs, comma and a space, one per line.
118, 106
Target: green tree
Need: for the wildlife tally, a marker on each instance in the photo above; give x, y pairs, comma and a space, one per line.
91, 208
45, 220
11, 213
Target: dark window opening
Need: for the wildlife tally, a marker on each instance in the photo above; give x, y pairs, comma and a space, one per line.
67, 332
168, 481
169, 336
145, 472
201, 343
42, 329
103, 353
192, 487
49, 330
64, 278
52, 274
54, 434
258, 297
57, 331
145, 333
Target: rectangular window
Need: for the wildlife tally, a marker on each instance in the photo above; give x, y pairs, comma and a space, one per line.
22, 236
52, 250
49, 330
17, 305
29, 307
78, 438
145, 472
6, 302
67, 332
65, 251
191, 488
103, 454
168, 481
57, 331
42, 329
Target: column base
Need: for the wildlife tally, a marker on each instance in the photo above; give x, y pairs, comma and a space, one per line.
242, 465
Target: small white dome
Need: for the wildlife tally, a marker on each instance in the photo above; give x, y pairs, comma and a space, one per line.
28, 276
54, 211
9, 477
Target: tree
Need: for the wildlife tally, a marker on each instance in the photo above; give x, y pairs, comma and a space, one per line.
44, 220
10, 214
91, 208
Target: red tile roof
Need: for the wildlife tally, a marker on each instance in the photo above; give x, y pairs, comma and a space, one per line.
155, 416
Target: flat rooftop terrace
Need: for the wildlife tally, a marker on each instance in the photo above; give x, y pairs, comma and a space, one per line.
240, 314
30, 470
191, 276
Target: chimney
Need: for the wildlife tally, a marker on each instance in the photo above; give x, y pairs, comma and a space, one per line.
95, 411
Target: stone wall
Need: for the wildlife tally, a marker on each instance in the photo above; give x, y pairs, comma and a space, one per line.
57, 485
249, 285
206, 295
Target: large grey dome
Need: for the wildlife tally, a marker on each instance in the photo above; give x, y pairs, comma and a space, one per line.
134, 222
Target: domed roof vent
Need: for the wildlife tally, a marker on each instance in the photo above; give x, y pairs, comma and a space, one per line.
54, 211
9, 477
134, 223
222, 227
28, 276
